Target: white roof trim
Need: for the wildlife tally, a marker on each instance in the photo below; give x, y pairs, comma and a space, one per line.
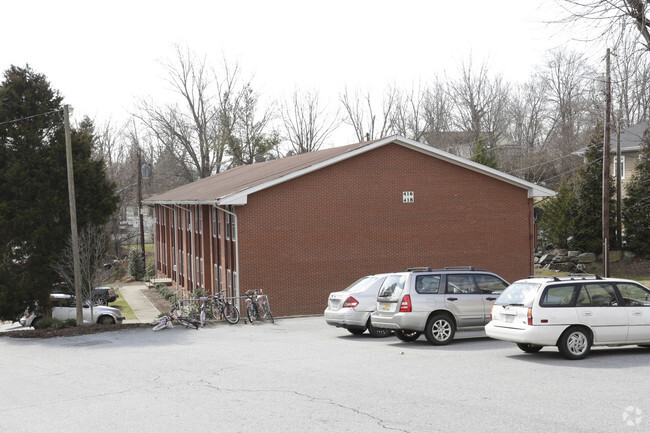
241, 197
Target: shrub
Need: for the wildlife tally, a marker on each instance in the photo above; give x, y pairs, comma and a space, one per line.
50, 322
136, 264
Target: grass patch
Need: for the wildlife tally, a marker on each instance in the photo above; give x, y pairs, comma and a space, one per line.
121, 304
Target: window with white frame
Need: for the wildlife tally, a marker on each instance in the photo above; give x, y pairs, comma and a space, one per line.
227, 225
622, 167
218, 223
233, 220
214, 221
219, 274
229, 281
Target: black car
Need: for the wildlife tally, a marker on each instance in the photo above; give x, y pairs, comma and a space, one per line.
105, 294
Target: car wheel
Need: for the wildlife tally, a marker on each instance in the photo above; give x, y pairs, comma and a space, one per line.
575, 343
440, 330
106, 320
356, 330
101, 301
377, 332
405, 335
529, 348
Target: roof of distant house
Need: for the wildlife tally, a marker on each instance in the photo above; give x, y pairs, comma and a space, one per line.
630, 139
233, 186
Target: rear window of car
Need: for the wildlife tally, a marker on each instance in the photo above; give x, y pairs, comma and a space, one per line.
427, 284
361, 284
392, 287
518, 294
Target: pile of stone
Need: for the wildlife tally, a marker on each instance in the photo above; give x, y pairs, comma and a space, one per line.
576, 261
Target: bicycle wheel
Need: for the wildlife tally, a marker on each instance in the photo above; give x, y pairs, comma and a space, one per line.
160, 325
250, 312
202, 316
187, 323
231, 313
267, 312
214, 309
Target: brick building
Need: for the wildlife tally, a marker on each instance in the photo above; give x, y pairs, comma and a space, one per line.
303, 226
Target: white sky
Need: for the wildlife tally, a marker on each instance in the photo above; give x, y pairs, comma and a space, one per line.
104, 56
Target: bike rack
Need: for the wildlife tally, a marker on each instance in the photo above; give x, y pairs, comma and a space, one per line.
191, 307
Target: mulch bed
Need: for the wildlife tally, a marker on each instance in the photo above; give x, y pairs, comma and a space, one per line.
73, 331
153, 295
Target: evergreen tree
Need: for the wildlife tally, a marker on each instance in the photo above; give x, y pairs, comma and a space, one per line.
587, 233
34, 204
557, 222
636, 204
484, 155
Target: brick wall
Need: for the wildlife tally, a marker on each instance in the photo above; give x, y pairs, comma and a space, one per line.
304, 238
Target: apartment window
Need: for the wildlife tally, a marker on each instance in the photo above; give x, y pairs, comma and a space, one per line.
220, 281
227, 226
622, 167
188, 220
229, 282
235, 283
233, 220
214, 221
218, 223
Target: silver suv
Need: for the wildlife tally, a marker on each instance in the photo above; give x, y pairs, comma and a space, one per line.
437, 302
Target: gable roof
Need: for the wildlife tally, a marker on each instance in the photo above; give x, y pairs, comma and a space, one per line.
233, 186
630, 139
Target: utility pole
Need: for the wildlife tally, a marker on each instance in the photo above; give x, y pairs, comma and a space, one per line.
619, 165
140, 206
76, 262
606, 151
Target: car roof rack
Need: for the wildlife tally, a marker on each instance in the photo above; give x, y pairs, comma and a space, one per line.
570, 277
422, 268
460, 268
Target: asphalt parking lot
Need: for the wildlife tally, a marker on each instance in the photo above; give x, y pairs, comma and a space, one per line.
301, 375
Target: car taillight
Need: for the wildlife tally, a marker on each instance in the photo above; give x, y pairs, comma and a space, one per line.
491, 317
405, 306
530, 316
350, 302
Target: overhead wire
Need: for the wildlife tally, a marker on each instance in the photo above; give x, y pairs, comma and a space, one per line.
30, 117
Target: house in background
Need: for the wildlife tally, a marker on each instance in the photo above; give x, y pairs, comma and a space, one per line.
303, 226
630, 141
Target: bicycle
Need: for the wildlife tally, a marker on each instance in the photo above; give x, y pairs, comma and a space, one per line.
220, 307
167, 321
257, 306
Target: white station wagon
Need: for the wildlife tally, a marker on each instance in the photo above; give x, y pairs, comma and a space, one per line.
573, 313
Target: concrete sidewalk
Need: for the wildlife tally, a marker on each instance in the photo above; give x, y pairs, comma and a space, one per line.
141, 306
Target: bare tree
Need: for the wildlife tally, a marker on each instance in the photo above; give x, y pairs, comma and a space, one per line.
410, 118
306, 124
614, 18
361, 114
93, 243
188, 132
480, 103
437, 112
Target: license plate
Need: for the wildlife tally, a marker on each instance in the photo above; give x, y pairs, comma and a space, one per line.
508, 318
385, 307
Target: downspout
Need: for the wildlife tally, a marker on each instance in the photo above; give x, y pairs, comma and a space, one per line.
236, 235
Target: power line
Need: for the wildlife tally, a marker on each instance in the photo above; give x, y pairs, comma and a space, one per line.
30, 117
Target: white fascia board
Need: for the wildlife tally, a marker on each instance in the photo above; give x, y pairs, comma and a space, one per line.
241, 197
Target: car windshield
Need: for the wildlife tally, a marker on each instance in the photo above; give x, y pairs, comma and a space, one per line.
361, 284
518, 294
392, 287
